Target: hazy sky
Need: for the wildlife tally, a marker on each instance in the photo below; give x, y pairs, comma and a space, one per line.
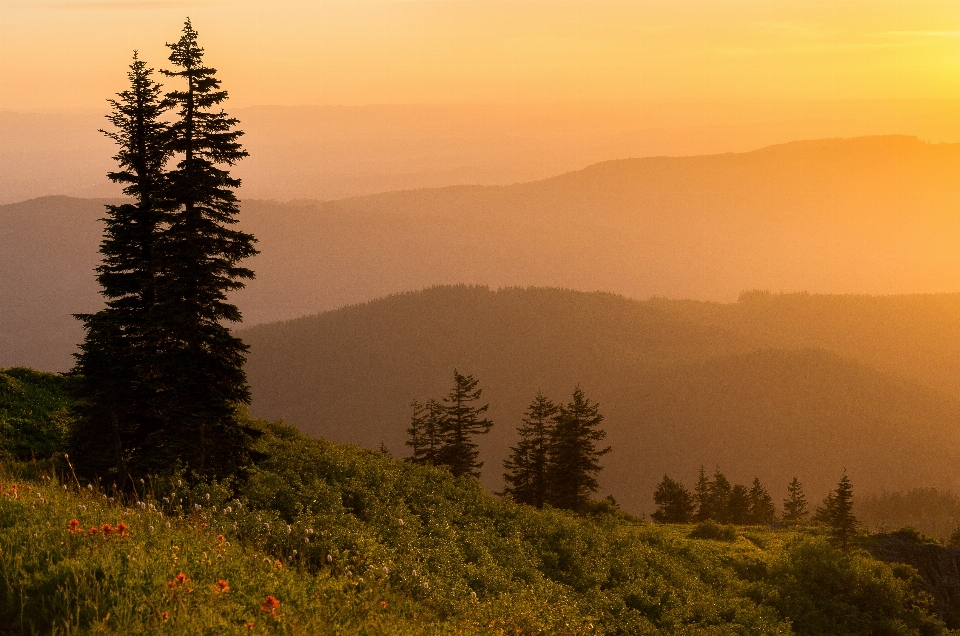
73, 53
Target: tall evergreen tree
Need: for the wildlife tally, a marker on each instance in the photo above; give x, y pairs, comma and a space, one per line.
674, 502
461, 422
426, 424
837, 512
762, 510
574, 456
113, 387
701, 496
199, 379
795, 505
526, 468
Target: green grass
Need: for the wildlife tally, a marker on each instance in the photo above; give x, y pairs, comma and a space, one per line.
352, 542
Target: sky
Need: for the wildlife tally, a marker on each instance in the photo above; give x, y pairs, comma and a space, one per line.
60, 54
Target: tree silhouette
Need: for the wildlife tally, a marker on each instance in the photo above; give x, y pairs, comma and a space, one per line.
795, 505
527, 467
701, 496
574, 456
461, 422
837, 512
762, 510
426, 424
674, 502
199, 378
119, 348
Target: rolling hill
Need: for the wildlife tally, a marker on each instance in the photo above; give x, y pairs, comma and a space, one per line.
870, 215
681, 384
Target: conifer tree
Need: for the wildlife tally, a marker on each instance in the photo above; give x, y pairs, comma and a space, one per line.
526, 468
426, 424
738, 505
762, 510
701, 496
574, 456
674, 502
461, 422
795, 505
720, 490
114, 384
837, 512
199, 379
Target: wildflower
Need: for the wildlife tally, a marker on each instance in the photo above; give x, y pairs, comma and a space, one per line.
94, 530
73, 527
383, 605
165, 616
121, 529
221, 539
90, 487
221, 586
249, 626
329, 559
106, 529
400, 521
208, 496
270, 605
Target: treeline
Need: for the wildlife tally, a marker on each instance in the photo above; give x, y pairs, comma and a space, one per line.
555, 462
719, 501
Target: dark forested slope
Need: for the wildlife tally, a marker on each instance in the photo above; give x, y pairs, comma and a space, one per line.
681, 384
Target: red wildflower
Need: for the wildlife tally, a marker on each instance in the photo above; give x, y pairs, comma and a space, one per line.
106, 529
270, 605
94, 530
165, 616
73, 527
221, 586
121, 529
249, 626
383, 605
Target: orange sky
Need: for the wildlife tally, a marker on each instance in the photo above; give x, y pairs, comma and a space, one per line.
72, 53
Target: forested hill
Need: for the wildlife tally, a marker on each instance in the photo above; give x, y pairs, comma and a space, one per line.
773, 386
870, 215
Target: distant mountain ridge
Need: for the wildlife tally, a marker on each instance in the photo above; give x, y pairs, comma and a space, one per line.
682, 384
870, 215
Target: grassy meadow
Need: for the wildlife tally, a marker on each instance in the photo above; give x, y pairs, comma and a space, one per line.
323, 538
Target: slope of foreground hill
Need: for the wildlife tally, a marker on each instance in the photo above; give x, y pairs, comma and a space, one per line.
324, 538
870, 215
681, 384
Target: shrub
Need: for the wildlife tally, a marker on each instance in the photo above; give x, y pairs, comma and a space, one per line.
712, 530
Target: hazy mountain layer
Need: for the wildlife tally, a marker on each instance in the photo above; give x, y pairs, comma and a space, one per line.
681, 384
869, 215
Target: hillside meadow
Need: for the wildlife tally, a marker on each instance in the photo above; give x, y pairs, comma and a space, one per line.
326, 538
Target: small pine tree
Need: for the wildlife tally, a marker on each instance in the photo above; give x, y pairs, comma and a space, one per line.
117, 352
426, 424
720, 490
526, 468
795, 505
461, 422
738, 505
701, 496
674, 502
762, 510
574, 456
837, 512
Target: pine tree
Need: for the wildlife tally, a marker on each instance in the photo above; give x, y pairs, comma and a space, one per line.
795, 505
461, 422
762, 510
526, 468
674, 502
837, 512
720, 490
426, 424
113, 386
574, 456
701, 496
738, 505
199, 379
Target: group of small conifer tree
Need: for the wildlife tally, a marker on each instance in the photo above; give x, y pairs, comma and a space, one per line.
160, 375
442, 432
717, 500
557, 459
713, 499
